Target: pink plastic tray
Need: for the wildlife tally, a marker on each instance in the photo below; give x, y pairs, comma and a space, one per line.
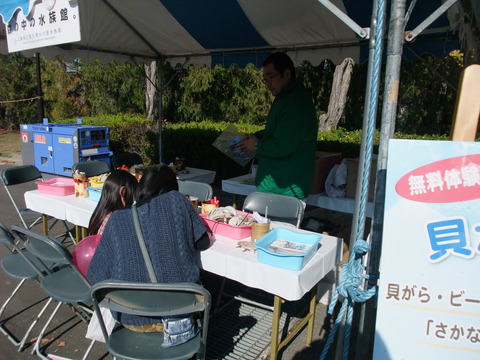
56, 186
234, 232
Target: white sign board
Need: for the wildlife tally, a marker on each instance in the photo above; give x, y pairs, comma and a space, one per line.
429, 290
49, 23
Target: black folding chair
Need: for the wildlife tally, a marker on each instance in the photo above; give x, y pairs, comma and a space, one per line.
194, 188
27, 175
128, 159
92, 168
153, 300
277, 207
21, 265
66, 285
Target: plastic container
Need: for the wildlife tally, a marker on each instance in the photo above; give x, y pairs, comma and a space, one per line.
294, 257
233, 232
56, 186
94, 183
94, 193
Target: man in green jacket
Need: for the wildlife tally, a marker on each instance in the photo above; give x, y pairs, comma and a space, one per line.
286, 147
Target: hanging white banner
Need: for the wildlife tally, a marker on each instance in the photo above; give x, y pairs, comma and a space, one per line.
49, 23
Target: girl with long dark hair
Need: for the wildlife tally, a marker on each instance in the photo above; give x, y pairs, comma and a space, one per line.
118, 191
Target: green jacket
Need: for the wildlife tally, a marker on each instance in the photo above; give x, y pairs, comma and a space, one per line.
286, 147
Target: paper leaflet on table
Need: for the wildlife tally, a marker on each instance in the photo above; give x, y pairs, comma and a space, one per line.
228, 142
281, 246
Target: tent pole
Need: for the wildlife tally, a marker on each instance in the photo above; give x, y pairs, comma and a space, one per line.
379, 15
159, 94
370, 112
40, 111
366, 114
389, 111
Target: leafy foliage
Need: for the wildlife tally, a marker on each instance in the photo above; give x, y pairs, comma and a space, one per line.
112, 89
427, 96
17, 76
63, 94
318, 80
231, 95
220, 94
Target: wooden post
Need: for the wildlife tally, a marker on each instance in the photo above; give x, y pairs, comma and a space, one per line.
467, 111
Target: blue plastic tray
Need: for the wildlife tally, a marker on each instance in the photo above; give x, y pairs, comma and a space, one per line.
304, 247
94, 193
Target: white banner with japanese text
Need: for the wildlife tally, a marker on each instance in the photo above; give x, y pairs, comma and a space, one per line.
429, 291
49, 23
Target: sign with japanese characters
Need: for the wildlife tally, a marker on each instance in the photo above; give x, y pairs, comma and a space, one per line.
49, 23
429, 291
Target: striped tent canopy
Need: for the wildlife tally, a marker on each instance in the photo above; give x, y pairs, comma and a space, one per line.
210, 32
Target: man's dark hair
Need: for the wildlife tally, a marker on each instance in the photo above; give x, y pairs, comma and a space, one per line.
281, 62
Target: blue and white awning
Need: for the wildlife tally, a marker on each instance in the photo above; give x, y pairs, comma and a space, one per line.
210, 32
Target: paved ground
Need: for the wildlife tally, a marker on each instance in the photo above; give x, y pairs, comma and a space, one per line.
68, 339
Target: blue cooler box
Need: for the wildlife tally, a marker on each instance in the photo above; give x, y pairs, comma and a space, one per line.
286, 248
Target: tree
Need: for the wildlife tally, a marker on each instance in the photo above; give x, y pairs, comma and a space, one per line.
222, 94
63, 95
150, 88
426, 102
18, 93
338, 97
427, 95
113, 89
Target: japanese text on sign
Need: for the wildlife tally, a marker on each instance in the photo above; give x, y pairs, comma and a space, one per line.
450, 237
449, 180
458, 300
44, 26
467, 176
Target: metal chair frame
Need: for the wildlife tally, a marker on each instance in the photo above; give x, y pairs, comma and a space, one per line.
194, 188
154, 300
283, 208
91, 168
65, 285
28, 174
23, 266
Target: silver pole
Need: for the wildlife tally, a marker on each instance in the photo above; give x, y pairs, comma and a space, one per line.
366, 333
370, 97
366, 115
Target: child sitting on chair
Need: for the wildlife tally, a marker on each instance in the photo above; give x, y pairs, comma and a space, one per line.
118, 191
173, 233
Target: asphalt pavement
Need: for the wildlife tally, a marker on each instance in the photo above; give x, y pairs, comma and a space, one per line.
67, 340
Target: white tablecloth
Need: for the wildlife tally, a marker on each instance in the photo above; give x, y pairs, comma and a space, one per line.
75, 210
244, 185
194, 174
223, 257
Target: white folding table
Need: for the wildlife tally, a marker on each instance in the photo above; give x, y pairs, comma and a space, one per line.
244, 185
194, 174
225, 259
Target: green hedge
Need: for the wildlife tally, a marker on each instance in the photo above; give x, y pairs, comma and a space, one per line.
193, 141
